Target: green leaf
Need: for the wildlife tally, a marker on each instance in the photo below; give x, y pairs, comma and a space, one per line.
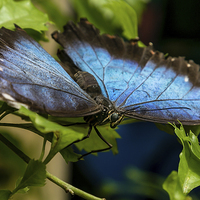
110, 16
195, 129
51, 7
124, 16
5, 194
173, 188
34, 175
95, 143
69, 155
139, 7
23, 190
62, 135
189, 170
166, 128
22, 13
129, 121
63, 138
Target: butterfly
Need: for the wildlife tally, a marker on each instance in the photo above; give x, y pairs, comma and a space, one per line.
101, 78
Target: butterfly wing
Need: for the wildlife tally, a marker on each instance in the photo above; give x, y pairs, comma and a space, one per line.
141, 83
30, 76
167, 91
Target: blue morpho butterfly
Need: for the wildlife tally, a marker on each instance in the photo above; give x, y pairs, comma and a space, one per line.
104, 79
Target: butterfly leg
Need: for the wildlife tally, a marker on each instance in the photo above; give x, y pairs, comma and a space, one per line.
99, 150
87, 136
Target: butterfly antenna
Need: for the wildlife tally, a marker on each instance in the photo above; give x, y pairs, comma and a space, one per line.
102, 138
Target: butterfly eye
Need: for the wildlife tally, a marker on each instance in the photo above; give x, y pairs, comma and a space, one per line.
114, 117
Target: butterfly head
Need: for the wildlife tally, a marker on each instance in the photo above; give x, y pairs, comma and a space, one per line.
107, 115
115, 119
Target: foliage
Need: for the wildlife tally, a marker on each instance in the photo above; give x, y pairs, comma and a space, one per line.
34, 175
110, 16
179, 184
22, 13
25, 15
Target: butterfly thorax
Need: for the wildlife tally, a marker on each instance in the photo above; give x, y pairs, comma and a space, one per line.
88, 83
109, 114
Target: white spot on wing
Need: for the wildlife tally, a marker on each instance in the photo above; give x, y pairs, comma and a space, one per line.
1, 69
17, 105
12, 102
188, 65
8, 97
186, 79
150, 44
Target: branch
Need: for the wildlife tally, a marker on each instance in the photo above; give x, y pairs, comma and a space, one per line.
11, 146
67, 187
73, 190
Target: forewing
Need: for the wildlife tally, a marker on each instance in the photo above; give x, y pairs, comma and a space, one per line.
30, 76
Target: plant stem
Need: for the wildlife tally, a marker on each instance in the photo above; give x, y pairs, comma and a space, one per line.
67, 187
11, 146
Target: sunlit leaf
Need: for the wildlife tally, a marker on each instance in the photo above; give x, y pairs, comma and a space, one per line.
188, 170
110, 16
125, 16
62, 135
22, 13
173, 188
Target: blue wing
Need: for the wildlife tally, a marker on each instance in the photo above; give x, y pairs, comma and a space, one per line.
30, 76
141, 83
